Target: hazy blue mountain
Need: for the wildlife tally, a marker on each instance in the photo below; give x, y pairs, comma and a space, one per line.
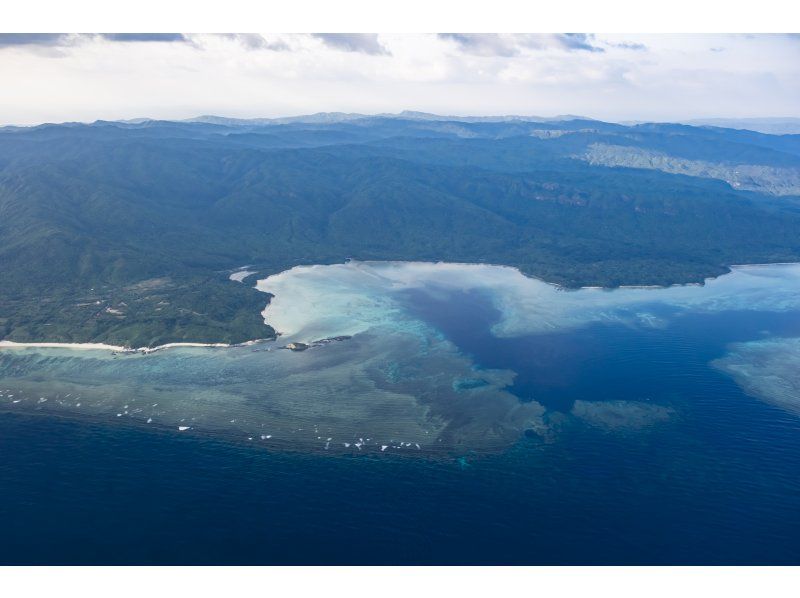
773, 126
336, 117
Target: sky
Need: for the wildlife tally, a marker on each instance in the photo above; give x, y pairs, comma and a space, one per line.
615, 77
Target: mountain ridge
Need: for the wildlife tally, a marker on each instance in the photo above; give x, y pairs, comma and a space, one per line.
149, 218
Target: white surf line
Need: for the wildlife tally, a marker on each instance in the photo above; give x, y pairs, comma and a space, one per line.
119, 348
85, 346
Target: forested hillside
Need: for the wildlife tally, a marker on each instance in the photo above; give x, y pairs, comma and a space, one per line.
127, 233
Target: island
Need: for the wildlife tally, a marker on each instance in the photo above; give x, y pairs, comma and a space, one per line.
135, 234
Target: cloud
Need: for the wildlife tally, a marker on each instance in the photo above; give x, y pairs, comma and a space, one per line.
546, 74
32, 39
631, 46
483, 44
512, 44
577, 41
144, 37
256, 41
55, 40
366, 43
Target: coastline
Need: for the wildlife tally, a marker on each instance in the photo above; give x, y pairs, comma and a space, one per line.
729, 268
241, 274
7, 344
120, 349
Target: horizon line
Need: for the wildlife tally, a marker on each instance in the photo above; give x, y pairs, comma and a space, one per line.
362, 115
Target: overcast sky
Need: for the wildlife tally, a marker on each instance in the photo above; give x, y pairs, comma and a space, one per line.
84, 77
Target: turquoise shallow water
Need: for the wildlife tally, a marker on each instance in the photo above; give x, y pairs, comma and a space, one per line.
602, 430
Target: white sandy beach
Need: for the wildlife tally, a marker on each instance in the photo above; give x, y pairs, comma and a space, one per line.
241, 275
106, 347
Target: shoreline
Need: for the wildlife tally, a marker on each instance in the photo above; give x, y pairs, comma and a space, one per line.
7, 344
730, 268
4, 344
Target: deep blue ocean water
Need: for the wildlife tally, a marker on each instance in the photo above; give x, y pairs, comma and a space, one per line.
719, 483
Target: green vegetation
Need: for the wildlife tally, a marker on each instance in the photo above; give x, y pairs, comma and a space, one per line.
127, 234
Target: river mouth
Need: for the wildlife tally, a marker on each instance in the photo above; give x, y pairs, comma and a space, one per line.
422, 358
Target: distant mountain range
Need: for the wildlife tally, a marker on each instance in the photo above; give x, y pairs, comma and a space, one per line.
339, 117
126, 232
773, 126
768, 125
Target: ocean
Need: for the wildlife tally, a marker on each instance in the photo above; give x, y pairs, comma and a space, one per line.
501, 420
